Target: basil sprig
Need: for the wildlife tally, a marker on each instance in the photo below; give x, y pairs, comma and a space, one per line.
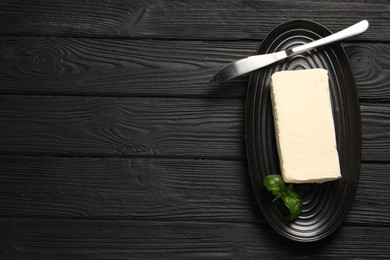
274, 183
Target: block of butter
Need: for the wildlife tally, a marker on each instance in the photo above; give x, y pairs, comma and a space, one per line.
304, 126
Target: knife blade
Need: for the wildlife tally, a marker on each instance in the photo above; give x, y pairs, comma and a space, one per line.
255, 62
246, 65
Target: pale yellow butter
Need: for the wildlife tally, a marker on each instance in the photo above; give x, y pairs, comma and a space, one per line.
304, 126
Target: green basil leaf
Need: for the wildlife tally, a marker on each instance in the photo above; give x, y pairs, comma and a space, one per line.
274, 184
291, 193
294, 204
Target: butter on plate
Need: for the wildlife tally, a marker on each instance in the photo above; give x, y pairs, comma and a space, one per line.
304, 126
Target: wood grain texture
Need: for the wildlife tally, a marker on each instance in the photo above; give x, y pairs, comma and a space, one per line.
185, 19
123, 67
157, 127
371, 68
91, 126
107, 239
375, 129
70, 18
156, 189
163, 189
118, 67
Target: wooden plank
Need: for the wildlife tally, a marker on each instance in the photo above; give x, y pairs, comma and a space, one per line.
185, 19
126, 188
94, 126
156, 189
375, 132
371, 197
157, 127
371, 69
119, 67
107, 239
123, 67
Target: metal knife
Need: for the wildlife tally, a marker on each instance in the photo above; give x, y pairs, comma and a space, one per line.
252, 63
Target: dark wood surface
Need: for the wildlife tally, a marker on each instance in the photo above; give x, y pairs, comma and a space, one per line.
113, 146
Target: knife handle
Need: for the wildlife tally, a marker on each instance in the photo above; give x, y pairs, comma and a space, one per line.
353, 30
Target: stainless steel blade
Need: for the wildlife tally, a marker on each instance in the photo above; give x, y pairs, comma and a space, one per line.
246, 65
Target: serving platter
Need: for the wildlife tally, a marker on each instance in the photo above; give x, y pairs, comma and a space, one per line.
325, 206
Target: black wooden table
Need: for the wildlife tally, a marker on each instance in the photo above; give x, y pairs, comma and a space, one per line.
113, 146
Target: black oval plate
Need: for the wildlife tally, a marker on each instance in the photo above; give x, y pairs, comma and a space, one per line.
326, 205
